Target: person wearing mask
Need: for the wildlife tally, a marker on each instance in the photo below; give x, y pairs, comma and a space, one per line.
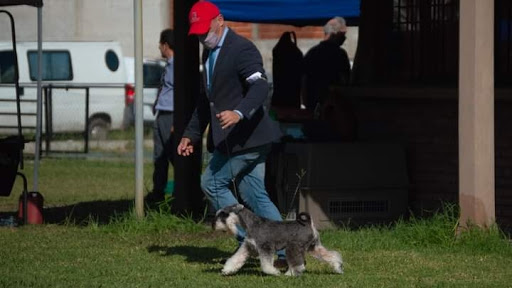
325, 65
235, 106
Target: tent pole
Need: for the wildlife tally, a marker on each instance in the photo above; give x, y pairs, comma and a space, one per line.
39, 98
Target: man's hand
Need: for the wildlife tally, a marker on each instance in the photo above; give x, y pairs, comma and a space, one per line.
228, 118
185, 147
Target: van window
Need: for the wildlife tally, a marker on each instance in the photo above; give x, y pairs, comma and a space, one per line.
56, 65
152, 74
112, 60
6, 67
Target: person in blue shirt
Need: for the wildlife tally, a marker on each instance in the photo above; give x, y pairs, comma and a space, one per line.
163, 129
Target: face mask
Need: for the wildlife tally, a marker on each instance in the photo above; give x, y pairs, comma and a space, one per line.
338, 38
211, 40
341, 39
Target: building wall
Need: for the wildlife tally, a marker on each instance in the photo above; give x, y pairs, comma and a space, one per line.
425, 121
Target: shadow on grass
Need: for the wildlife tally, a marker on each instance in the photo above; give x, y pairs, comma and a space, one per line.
196, 254
204, 255
247, 270
97, 212
100, 212
215, 256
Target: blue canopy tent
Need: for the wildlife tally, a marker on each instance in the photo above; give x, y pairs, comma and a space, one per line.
294, 12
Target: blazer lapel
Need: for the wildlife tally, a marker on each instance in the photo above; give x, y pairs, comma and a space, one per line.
204, 74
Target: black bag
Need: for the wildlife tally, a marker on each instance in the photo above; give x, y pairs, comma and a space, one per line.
10, 156
287, 62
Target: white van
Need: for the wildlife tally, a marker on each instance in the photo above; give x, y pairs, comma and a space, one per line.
152, 70
69, 69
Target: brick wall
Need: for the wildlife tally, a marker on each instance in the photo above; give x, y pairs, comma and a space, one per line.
503, 162
244, 29
274, 31
265, 37
428, 127
270, 31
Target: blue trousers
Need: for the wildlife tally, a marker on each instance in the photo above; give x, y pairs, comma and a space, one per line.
249, 169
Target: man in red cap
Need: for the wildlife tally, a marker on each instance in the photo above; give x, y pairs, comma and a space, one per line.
235, 105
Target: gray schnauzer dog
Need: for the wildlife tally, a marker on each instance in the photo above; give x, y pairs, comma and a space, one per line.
265, 237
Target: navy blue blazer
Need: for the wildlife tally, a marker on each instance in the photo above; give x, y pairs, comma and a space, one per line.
237, 59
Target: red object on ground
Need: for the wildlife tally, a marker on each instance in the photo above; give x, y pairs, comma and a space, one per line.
34, 208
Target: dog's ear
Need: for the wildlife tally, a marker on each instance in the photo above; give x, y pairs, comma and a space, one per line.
238, 208
221, 214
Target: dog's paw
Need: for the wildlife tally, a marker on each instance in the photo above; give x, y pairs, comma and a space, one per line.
271, 271
292, 272
227, 272
338, 269
296, 271
229, 268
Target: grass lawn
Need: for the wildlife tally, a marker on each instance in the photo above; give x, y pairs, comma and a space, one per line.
77, 189
112, 249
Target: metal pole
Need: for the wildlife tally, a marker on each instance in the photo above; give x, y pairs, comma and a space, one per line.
39, 108
139, 149
86, 132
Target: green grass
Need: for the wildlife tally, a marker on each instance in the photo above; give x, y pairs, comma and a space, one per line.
75, 190
163, 250
68, 181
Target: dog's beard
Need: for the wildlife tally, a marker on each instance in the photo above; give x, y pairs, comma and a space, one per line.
228, 224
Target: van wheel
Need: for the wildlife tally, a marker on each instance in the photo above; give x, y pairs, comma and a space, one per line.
98, 129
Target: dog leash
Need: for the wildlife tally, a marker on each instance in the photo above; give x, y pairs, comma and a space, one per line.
292, 215
233, 177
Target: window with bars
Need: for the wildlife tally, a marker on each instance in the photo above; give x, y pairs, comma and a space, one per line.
503, 42
344, 208
425, 34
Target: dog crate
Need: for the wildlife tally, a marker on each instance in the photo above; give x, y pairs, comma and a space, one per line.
345, 183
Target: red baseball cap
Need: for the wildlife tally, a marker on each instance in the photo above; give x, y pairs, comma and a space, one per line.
200, 17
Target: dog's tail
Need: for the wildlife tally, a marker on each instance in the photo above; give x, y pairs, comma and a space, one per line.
332, 257
317, 250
